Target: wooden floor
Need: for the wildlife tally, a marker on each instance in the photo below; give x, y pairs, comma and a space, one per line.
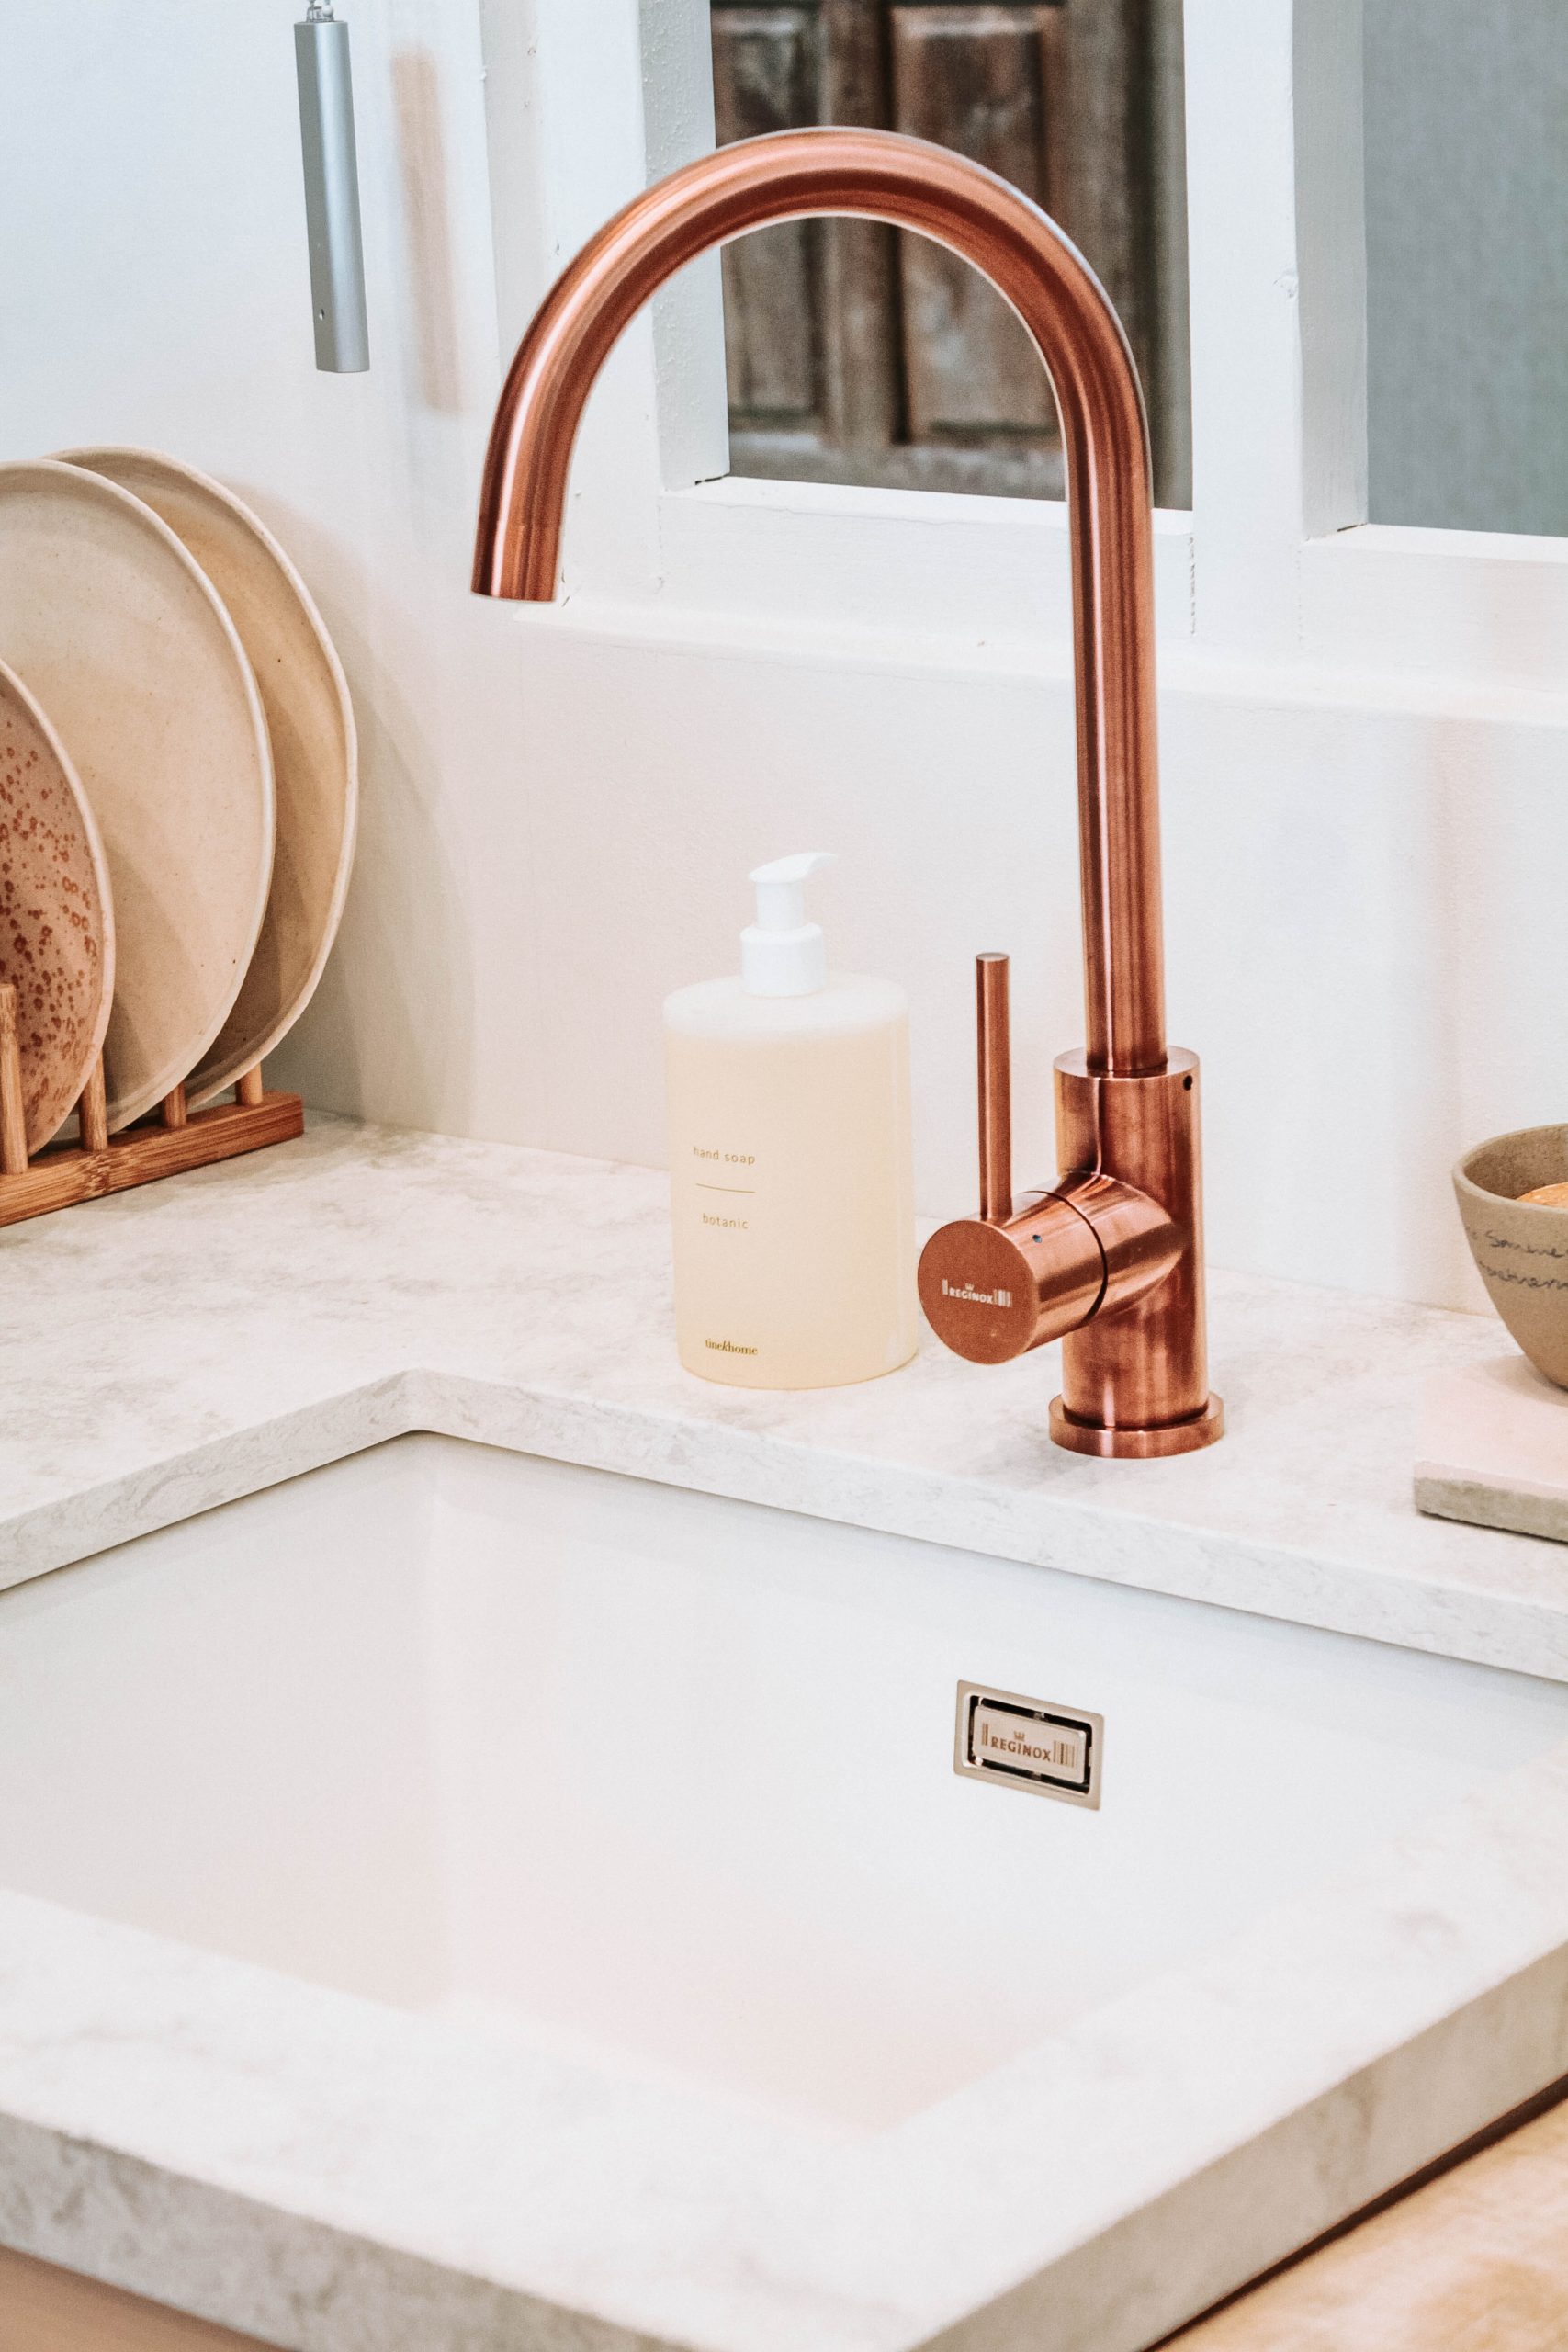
1477, 2261
51, 2311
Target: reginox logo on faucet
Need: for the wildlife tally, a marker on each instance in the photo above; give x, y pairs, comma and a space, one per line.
976, 1297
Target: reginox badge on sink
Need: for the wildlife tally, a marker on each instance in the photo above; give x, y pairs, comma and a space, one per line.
1029, 1743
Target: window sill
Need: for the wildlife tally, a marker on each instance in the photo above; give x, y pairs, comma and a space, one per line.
906, 563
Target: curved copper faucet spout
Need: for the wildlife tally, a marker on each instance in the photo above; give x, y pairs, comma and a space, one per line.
885, 176
1110, 1261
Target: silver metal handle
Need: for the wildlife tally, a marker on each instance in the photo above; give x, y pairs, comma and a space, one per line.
332, 193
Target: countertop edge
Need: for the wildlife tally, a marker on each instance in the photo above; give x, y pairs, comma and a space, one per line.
1297, 1584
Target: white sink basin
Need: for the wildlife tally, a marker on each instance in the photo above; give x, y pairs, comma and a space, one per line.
662, 1785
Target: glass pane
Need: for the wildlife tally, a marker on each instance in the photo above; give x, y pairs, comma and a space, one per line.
1467, 263
859, 355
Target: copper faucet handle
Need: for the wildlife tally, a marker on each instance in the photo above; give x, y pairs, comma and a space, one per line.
996, 1284
1034, 1266
993, 1056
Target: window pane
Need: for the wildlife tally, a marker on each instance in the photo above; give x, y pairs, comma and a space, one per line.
1467, 263
859, 355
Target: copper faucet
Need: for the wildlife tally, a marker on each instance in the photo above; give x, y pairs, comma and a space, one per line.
1110, 1258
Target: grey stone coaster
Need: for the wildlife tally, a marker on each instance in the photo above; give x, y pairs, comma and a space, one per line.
1494, 1449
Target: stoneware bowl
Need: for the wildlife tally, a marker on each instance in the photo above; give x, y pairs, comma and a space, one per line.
1522, 1247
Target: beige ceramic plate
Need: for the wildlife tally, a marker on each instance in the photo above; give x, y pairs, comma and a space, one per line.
124, 640
310, 720
56, 918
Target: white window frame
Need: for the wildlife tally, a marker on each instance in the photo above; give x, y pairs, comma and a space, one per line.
1276, 565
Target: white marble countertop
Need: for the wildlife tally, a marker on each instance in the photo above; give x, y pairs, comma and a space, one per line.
176, 1347
337, 2174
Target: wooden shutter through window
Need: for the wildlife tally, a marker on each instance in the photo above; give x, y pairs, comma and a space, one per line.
857, 354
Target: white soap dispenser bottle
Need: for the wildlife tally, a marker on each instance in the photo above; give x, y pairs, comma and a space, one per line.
791, 1180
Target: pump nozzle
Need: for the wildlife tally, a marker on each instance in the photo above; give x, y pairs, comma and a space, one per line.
780, 953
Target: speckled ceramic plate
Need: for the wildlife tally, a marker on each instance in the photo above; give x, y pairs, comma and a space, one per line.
124, 640
314, 751
56, 914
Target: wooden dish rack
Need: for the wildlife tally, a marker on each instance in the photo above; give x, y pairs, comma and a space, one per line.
166, 1143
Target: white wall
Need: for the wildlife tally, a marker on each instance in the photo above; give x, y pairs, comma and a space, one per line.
1365, 893
153, 289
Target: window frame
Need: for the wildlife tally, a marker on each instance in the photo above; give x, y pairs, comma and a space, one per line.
1276, 564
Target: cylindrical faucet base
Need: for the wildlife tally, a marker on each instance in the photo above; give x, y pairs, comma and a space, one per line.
1136, 1381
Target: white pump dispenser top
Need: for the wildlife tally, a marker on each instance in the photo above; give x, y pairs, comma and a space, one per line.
780, 953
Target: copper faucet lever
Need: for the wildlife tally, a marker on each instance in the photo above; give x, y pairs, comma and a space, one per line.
1112, 1257
993, 1054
